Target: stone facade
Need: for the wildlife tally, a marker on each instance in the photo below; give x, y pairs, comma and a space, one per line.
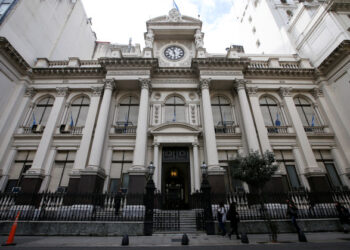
95, 125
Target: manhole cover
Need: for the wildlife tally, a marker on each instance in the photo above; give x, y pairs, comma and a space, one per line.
175, 240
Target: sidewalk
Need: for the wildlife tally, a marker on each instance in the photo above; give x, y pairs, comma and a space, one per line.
169, 240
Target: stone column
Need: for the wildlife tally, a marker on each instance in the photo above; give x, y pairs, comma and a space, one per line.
16, 119
107, 167
249, 128
32, 179
48, 168
93, 175
157, 177
83, 151
259, 119
215, 172
6, 168
136, 173
142, 126
315, 175
341, 166
300, 166
196, 168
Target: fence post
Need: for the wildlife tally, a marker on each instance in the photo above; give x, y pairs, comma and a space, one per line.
206, 199
149, 205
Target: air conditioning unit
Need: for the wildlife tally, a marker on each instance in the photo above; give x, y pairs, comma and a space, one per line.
65, 128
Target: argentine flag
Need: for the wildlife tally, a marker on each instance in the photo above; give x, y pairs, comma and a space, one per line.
34, 121
175, 6
71, 120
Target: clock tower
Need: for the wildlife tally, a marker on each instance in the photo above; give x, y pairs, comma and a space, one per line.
174, 39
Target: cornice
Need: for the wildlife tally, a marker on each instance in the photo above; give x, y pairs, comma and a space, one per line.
338, 5
128, 62
338, 54
278, 72
220, 62
176, 72
10, 52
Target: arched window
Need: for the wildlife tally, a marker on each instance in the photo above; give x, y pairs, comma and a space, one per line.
306, 112
175, 110
41, 111
78, 111
128, 111
271, 112
222, 112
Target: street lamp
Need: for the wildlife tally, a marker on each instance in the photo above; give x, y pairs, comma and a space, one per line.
206, 199
149, 201
204, 169
151, 168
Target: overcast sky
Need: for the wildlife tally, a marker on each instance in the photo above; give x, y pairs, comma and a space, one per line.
117, 20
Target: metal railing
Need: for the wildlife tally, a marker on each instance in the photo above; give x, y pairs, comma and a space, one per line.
310, 205
72, 207
72, 130
33, 129
222, 129
277, 129
125, 129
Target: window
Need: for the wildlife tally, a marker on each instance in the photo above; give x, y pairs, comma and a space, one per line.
222, 112
78, 111
121, 163
128, 111
306, 112
226, 156
4, 7
285, 158
41, 112
23, 162
64, 161
271, 112
175, 110
325, 160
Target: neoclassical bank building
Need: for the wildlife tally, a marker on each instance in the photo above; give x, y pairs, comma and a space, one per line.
95, 125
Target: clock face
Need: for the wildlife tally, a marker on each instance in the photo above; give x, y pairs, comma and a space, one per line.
174, 53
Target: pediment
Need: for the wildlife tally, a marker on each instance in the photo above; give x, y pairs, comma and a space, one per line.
175, 128
165, 19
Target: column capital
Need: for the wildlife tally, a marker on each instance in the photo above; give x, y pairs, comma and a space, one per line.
195, 144
204, 83
239, 84
62, 91
96, 91
252, 90
156, 144
285, 91
317, 92
145, 83
109, 84
29, 92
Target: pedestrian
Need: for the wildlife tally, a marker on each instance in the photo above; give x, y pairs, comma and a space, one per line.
344, 216
233, 216
221, 215
292, 212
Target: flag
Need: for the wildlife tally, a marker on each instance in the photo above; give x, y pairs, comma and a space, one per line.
34, 121
277, 122
313, 121
175, 6
71, 120
224, 121
126, 119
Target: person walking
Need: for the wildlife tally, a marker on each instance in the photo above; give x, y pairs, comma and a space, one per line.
292, 212
221, 215
343, 215
233, 216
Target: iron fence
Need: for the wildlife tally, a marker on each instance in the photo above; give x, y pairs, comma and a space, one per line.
72, 207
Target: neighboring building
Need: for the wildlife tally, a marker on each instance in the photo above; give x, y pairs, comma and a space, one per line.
94, 125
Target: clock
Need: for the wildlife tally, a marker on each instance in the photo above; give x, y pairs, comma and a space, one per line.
174, 52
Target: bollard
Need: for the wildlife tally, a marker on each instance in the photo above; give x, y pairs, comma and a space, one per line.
11, 237
125, 240
184, 240
244, 238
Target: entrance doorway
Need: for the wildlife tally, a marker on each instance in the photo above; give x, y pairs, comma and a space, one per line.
176, 177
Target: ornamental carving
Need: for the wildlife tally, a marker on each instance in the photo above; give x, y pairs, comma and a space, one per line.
199, 39
96, 91
317, 92
221, 73
145, 83
29, 92
128, 72
239, 84
149, 39
174, 16
252, 91
109, 83
204, 83
193, 113
62, 91
286, 91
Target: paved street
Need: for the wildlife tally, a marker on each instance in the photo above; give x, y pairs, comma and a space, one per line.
318, 241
